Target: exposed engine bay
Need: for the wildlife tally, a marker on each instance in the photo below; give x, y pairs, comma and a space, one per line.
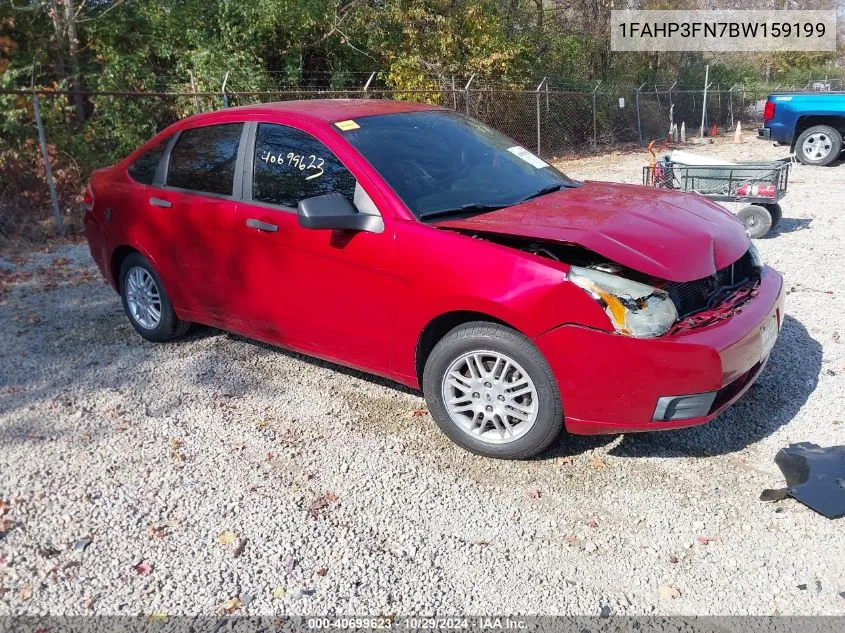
699, 303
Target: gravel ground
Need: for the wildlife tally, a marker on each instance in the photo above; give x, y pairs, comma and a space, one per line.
217, 474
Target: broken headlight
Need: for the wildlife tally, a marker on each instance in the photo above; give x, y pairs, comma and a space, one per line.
634, 309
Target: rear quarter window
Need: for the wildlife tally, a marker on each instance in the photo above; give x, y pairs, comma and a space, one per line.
144, 168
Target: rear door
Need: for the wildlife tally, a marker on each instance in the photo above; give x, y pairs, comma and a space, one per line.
194, 194
326, 292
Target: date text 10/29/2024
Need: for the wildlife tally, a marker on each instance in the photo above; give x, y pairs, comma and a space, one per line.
478, 623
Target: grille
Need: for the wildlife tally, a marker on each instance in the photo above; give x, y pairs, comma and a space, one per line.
690, 297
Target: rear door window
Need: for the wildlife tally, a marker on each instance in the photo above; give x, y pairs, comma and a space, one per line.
291, 165
204, 158
144, 168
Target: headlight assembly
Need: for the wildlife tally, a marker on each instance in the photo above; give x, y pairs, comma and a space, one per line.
634, 309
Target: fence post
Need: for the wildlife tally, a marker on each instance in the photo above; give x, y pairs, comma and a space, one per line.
194, 90
466, 90
731, 105
595, 125
367, 85
671, 107
48, 172
223, 90
639, 119
704, 107
539, 88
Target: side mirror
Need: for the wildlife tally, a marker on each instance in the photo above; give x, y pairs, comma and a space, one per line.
333, 211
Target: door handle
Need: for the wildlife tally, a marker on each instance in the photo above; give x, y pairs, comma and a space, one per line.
158, 202
261, 226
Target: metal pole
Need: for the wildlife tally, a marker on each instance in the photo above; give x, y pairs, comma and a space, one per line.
704, 107
48, 172
367, 85
194, 90
540, 87
731, 105
223, 90
671, 106
595, 125
639, 119
466, 90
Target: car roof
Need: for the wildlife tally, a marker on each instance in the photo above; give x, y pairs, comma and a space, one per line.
326, 110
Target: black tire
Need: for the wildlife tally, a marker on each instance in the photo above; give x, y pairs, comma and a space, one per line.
169, 326
481, 335
775, 211
756, 220
833, 139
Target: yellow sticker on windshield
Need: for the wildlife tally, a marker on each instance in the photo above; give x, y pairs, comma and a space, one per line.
347, 125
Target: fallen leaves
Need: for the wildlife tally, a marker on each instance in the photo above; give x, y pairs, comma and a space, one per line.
598, 462
230, 606
6, 526
418, 413
668, 592
158, 531
227, 537
144, 569
25, 593
240, 547
703, 540
673, 559
534, 493
593, 523
321, 502
158, 616
176, 451
322, 571
279, 593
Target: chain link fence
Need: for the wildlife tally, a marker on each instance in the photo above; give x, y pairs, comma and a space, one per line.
550, 122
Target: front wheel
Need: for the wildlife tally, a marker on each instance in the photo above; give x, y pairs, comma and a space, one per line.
492, 392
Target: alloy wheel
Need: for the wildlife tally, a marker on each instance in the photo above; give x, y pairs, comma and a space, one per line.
143, 298
490, 397
817, 146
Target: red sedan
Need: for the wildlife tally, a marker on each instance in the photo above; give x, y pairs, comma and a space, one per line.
415, 243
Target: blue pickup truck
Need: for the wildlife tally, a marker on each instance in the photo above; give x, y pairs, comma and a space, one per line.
812, 123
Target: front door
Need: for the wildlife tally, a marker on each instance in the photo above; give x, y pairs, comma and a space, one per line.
325, 292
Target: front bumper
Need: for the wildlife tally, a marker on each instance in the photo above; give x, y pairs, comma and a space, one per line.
612, 384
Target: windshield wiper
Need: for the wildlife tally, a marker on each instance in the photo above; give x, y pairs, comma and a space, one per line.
544, 191
472, 207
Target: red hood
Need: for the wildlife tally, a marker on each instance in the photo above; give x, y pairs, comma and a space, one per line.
666, 234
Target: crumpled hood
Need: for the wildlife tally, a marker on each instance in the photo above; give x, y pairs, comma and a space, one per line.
666, 234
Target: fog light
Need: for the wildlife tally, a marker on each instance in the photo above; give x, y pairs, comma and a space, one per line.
683, 407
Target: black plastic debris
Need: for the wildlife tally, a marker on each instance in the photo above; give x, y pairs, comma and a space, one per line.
815, 476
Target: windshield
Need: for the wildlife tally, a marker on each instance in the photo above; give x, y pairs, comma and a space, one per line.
440, 162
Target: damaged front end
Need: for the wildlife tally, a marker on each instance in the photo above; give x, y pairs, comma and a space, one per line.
644, 306
707, 301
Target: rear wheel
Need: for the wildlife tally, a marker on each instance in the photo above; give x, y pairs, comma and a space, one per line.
756, 220
492, 392
775, 211
818, 145
146, 303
